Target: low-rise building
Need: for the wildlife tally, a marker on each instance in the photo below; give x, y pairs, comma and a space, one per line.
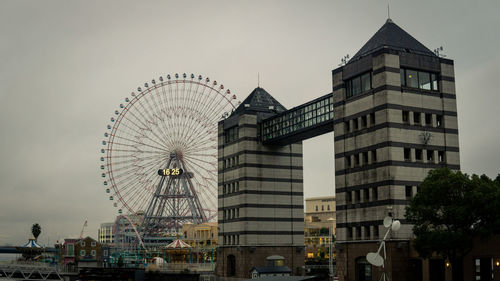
319, 222
200, 235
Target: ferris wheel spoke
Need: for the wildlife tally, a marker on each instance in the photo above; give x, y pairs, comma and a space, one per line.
141, 133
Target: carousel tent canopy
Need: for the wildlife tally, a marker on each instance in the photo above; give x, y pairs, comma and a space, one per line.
31, 244
178, 244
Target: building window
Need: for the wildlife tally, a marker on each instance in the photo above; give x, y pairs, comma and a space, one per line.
367, 194
231, 134
322, 207
428, 119
419, 79
355, 124
92, 253
328, 207
416, 118
356, 160
406, 116
418, 154
347, 127
375, 193
348, 161
408, 191
372, 118
105, 253
375, 231
374, 156
439, 121
348, 197
71, 250
357, 194
82, 243
358, 232
365, 158
367, 232
430, 156
93, 243
316, 208
364, 121
407, 154
349, 232
358, 85
82, 253
441, 156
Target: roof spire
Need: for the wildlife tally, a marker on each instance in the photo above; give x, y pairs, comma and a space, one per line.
258, 80
388, 11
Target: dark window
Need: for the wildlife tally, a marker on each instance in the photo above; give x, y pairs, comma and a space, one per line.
355, 123
364, 122
411, 78
407, 154
375, 193
356, 160
416, 118
358, 232
367, 232
408, 191
372, 118
316, 208
328, 207
347, 127
366, 84
231, 134
367, 194
348, 197
419, 79
358, 85
424, 80
358, 195
434, 82
374, 156
428, 119
418, 154
439, 120
365, 157
322, 207
375, 231
349, 232
348, 161
441, 156
406, 116
430, 155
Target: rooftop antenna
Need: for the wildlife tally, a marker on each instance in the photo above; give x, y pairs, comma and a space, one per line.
388, 11
344, 60
437, 52
258, 80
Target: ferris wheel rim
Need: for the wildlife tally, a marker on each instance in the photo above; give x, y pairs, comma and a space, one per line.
120, 115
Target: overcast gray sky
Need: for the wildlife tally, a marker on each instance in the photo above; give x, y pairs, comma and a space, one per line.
66, 65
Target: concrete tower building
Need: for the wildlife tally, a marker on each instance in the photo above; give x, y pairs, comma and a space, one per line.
395, 118
260, 205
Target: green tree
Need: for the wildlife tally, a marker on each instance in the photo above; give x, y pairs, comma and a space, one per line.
36, 229
119, 263
449, 210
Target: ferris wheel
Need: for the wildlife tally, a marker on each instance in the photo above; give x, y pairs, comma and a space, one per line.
160, 155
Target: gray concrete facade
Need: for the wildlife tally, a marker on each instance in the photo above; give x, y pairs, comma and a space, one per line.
387, 138
260, 201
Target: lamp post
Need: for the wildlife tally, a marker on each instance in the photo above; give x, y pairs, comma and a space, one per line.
330, 260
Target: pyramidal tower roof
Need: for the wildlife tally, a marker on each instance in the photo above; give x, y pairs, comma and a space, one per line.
259, 100
391, 36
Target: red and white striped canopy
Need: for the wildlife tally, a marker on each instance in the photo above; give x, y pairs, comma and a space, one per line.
178, 244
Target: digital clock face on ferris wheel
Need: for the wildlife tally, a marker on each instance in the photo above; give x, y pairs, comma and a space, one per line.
172, 115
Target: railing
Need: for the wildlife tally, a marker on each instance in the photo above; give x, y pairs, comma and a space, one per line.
198, 267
